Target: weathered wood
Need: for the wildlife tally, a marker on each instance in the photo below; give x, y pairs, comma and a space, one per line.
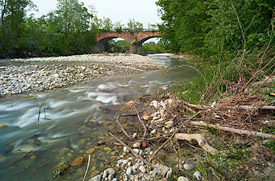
233, 130
199, 138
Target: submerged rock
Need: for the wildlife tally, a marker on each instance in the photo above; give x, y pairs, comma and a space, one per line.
77, 162
2, 125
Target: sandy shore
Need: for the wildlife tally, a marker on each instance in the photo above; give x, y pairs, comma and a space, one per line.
39, 74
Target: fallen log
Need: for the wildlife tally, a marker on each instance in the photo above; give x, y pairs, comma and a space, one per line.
233, 130
199, 138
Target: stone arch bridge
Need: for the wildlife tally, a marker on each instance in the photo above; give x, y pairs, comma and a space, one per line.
136, 39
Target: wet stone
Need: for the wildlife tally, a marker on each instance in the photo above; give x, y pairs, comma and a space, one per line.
77, 162
3, 125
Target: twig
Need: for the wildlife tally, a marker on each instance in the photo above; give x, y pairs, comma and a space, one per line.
137, 156
141, 121
121, 127
233, 130
170, 138
39, 114
86, 172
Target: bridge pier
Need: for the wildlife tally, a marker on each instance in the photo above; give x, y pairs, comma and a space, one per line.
135, 48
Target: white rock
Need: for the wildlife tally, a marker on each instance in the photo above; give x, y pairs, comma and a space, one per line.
96, 178
154, 131
169, 124
136, 145
124, 161
188, 167
154, 104
111, 171
125, 149
134, 135
183, 179
142, 169
129, 171
197, 175
105, 174
136, 151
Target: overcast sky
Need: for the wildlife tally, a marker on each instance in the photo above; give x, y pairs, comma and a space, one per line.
144, 11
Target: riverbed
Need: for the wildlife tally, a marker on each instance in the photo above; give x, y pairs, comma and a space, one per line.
45, 130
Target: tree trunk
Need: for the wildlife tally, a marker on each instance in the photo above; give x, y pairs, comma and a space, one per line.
3, 26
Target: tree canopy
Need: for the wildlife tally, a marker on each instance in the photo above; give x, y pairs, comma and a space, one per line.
203, 27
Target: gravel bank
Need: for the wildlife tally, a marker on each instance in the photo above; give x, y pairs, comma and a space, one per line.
39, 74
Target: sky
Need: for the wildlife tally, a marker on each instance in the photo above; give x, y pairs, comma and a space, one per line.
144, 11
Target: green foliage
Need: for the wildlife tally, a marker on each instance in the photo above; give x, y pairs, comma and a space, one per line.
134, 26
205, 27
67, 30
120, 46
271, 145
152, 47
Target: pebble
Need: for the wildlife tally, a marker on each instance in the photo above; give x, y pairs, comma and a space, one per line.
77, 162
129, 171
105, 174
134, 135
125, 149
188, 167
142, 169
136, 145
154, 131
169, 124
2, 125
107, 149
96, 178
183, 179
136, 151
197, 175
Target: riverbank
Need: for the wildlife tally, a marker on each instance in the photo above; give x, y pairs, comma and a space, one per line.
38, 74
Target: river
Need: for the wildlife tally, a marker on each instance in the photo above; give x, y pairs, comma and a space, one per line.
50, 128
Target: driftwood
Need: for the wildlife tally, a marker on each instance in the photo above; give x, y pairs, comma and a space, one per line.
121, 127
199, 138
86, 172
268, 108
246, 107
233, 130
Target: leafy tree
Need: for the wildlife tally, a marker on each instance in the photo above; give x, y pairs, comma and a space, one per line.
134, 26
118, 27
205, 27
13, 13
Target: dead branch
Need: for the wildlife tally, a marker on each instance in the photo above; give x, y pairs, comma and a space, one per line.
86, 172
141, 121
268, 108
121, 127
199, 138
136, 155
233, 130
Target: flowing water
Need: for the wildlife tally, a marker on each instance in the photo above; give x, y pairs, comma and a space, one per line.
46, 131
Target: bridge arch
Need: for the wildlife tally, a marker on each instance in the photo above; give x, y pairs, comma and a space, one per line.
136, 39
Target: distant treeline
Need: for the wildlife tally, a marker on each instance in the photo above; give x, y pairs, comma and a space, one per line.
70, 29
